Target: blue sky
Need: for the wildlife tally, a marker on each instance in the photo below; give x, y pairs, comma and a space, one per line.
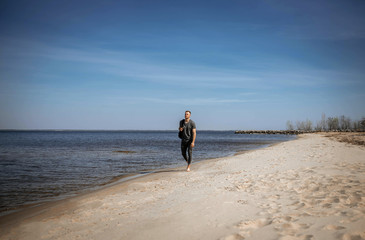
141, 64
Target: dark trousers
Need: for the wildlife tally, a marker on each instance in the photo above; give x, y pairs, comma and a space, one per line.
186, 146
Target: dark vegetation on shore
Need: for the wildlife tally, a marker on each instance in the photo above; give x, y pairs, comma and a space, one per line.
330, 124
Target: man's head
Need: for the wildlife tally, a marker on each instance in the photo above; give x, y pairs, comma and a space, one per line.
187, 114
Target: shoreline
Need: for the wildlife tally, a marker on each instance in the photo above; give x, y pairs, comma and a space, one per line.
307, 187
36, 209
42, 205
115, 180
30, 210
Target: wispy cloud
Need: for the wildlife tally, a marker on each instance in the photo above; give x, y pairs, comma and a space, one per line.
190, 101
323, 31
135, 65
144, 67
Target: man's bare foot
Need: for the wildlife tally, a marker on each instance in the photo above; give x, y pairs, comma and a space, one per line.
188, 169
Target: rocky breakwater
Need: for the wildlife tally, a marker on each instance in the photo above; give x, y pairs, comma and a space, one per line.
287, 132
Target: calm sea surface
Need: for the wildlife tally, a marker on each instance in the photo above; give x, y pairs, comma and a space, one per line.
38, 166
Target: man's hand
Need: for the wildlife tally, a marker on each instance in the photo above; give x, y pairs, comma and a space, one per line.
180, 129
194, 136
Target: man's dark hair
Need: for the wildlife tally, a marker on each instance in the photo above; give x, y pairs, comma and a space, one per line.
188, 111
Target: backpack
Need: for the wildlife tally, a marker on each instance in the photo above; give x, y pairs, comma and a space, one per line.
181, 132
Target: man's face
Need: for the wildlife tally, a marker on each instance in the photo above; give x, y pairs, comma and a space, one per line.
187, 115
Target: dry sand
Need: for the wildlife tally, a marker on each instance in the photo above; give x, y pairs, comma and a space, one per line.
309, 188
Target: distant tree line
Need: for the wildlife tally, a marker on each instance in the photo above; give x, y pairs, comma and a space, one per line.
341, 123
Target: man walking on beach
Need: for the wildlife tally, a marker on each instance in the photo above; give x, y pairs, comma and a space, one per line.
188, 135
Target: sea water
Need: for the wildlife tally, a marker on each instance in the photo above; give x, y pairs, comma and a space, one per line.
39, 166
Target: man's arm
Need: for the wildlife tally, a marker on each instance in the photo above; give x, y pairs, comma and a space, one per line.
194, 136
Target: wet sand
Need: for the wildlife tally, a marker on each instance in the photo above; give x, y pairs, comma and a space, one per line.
309, 188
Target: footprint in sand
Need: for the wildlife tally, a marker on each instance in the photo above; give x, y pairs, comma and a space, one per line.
302, 237
233, 237
333, 227
354, 236
249, 226
243, 202
254, 224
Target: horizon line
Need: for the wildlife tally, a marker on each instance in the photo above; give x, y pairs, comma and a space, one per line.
103, 130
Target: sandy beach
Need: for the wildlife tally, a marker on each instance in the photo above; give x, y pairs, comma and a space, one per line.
309, 188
